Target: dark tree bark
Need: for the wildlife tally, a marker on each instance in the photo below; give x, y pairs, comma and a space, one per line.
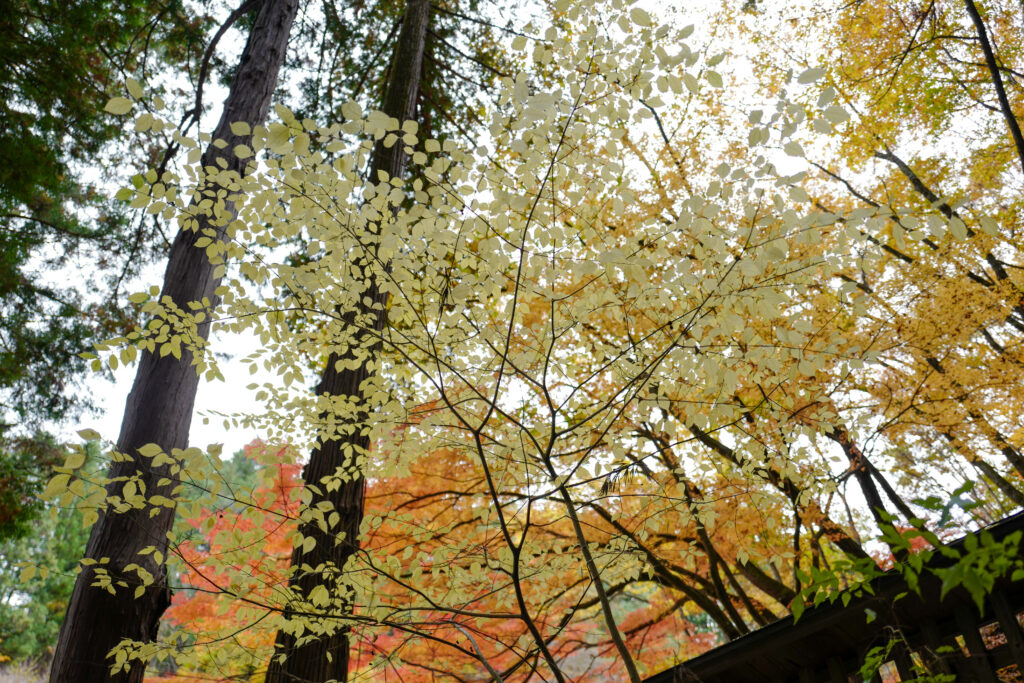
159, 408
326, 658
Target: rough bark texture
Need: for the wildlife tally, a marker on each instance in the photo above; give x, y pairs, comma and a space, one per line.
327, 658
159, 408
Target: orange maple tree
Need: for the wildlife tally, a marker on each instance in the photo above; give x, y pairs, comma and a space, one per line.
216, 568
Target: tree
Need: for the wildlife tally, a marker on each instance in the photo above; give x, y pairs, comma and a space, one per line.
451, 251
51, 216
346, 378
918, 74
630, 373
184, 406
159, 409
40, 550
55, 136
55, 216
238, 645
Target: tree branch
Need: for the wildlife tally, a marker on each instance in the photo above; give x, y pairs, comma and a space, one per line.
997, 80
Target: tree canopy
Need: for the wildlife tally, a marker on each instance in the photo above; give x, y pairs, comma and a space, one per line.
655, 343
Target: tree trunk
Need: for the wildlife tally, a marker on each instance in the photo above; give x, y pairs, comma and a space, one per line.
159, 408
326, 658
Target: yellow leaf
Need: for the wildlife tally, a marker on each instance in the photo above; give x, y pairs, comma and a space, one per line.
75, 459
150, 450
640, 17
56, 486
118, 106
134, 89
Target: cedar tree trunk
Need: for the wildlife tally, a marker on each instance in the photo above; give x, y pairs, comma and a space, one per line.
326, 658
159, 409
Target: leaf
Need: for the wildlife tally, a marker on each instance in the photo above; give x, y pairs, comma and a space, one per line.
118, 106
150, 450
836, 114
797, 608
89, 434
989, 226
957, 228
278, 138
793, 149
241, 128
640, 17
75, 459
319, 596
810, 75
134, 89
714, 78
57, 484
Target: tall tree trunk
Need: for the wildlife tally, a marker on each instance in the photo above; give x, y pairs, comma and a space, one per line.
326, 658
159, 408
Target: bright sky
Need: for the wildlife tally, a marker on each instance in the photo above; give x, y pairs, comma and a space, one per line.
226, 396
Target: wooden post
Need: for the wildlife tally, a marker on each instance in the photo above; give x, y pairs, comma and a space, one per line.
835, 672
978, 662
1010, 626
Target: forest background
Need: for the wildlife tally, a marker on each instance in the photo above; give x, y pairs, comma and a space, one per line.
692, 316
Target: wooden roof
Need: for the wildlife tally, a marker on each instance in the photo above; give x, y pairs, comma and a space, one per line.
830, 641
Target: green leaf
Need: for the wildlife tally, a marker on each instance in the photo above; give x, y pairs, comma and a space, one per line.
797, 608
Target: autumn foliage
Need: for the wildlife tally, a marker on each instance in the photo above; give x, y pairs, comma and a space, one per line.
226, 584
238, 550
654, 370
